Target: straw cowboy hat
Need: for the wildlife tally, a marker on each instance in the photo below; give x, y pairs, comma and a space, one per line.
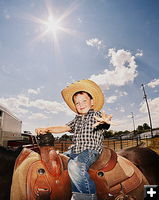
87, 86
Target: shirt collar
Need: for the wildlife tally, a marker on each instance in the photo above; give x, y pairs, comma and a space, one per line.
89, 112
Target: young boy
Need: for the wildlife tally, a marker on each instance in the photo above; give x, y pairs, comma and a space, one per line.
86, 99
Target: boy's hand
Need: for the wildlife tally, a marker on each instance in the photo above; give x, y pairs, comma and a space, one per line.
41, 131
105, 119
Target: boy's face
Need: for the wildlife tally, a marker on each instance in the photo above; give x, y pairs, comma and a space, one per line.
83, 103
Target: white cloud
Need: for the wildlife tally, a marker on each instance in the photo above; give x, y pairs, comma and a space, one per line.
79, 20
124, 69
132, 104
122, 109
114, 98
67, 110
14, 105
37, 116
154, 110
21, 104
153, 104
52, 106
139, 53
32, 91
153, 83
125, 122
121, 93
95, 42
22, 100
111, 99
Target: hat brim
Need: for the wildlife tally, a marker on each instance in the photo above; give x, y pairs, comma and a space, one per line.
87, 86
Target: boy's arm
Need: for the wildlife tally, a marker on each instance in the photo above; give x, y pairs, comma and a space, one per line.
53, 129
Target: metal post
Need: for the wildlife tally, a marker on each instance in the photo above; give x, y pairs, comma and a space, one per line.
62, 149
137, 141
114, 144
145, 97
121, 145
133, 122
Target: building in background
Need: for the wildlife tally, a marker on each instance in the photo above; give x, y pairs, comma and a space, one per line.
10, 126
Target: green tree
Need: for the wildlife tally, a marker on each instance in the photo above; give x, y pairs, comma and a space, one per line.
108, 134
126, 132
146, 126
140, 129
118, 133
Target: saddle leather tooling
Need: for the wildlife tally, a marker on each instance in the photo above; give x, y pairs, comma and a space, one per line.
114, 176
48, 178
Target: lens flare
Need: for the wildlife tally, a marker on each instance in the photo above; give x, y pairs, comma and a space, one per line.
53, 25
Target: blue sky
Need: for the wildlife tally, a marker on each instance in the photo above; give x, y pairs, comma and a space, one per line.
113, 42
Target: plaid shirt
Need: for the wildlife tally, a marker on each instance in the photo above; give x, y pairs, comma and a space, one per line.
85, 136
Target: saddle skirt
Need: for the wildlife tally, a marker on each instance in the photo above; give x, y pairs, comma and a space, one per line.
114, 175
47, 177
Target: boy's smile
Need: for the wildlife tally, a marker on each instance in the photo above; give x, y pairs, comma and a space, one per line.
83, 103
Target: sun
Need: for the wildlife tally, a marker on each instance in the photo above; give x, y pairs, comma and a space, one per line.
52, 25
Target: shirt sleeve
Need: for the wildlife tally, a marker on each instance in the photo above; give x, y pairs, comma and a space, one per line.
71, 124
102, 126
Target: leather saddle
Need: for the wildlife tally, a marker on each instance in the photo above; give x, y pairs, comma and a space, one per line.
48, 178
114, 175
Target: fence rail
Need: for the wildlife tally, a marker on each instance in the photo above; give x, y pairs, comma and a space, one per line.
111, 143
116, 144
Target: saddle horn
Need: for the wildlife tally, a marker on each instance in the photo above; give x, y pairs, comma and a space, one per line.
49, 157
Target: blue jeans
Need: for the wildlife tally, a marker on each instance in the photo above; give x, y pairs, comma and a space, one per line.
78, 166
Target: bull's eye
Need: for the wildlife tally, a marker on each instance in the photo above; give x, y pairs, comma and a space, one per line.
41, 171
100, 174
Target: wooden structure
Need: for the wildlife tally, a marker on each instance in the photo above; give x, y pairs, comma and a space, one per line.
116, 144
10, 126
